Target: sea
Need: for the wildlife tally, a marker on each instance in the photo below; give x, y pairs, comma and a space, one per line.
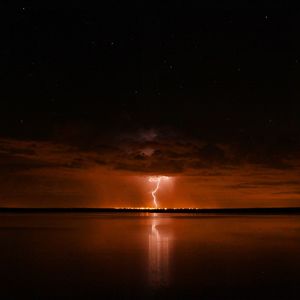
149, 256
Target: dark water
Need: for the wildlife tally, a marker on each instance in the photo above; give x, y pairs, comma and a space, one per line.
103, 256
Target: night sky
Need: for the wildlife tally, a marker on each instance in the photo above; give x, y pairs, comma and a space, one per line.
95, 99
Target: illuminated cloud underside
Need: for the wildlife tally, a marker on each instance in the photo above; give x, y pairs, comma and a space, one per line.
44, 174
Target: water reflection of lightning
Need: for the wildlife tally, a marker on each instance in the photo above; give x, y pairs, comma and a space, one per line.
159, 246
157, 180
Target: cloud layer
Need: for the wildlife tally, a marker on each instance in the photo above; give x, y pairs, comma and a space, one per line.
113, 172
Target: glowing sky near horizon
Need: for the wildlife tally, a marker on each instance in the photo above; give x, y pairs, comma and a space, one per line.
40, 174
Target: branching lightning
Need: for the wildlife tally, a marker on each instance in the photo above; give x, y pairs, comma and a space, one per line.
157, 180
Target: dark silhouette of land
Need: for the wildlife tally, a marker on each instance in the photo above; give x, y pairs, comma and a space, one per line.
246, 211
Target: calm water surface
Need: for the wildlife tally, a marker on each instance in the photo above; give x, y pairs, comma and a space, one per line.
104, 256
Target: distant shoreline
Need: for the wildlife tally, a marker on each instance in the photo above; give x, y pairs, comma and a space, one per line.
254, 211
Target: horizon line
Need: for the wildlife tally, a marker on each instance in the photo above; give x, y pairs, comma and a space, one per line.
237, 210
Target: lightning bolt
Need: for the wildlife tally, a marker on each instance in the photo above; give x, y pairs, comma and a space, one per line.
157, 180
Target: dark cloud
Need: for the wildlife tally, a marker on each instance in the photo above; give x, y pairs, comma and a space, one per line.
148, 151
254, 184
40, 173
